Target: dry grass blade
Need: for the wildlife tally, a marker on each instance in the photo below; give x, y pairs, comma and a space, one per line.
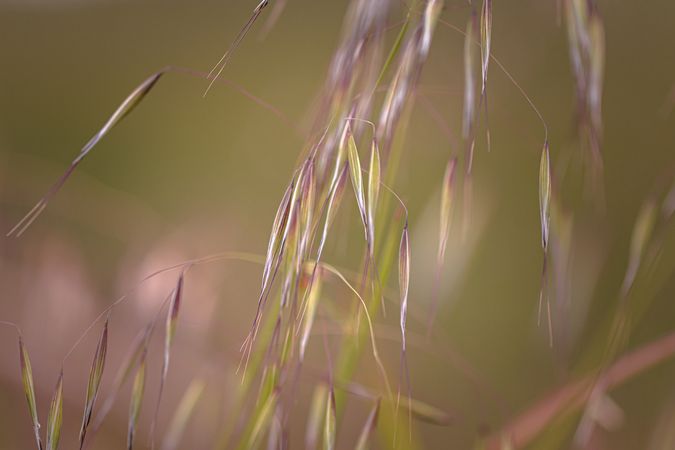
55, 418
368, 428
485, 39
374, 179
136, 399
125, 108
29, 390
329, 428
220, 65
357, 179
545, 194
95, 375
183, 414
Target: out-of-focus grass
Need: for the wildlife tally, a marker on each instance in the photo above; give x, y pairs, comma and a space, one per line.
186, 177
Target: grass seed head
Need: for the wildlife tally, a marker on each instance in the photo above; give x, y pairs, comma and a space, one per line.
29, 390
55, 417
545, 195
94, 383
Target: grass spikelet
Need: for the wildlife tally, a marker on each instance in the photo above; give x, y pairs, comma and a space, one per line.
545, 219
403, 280
307, 199
545, 195
274, 244
485, 39
329, 428
172, 316
125, 108
136, 399
357, 179
94, 383
403, 283
138, 349
374, 179
222, 62
368, 428
55, 417
170, 331
183, 414
29, 390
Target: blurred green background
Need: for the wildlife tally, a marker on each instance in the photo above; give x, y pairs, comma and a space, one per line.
185, 176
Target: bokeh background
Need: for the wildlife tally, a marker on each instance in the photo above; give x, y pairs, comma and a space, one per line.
186, 176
